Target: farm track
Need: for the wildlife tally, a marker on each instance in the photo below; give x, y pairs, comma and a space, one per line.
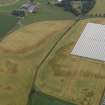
47, 55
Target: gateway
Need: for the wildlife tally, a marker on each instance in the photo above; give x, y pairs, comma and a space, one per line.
91, 43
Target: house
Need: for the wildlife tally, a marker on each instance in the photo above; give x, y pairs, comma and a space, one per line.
30, 7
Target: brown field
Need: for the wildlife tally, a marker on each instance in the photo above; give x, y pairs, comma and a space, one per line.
31, 36
73, 78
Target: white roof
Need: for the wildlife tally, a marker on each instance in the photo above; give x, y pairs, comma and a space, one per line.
31, 8
91, 43
59, 0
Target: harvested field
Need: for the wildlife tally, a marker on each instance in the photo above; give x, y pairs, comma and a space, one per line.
15, 77
76, 79
16, 70
31, 36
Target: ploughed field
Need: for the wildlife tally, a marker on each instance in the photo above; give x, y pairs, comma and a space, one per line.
20, 54
71, 78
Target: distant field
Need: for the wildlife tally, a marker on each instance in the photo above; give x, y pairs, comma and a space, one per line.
45, 13
17, 69
7, 2
99, 8
7, 22
75, 79
48, 12
11, 6
40, 98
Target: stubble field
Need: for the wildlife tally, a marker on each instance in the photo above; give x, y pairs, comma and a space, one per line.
75, 79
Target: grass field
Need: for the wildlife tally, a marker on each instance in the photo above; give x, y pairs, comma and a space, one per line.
7, 22
75, 79
17, 69
7, 2
99, 8
9, 7
48, 12
45, 13
31, 36
43, 99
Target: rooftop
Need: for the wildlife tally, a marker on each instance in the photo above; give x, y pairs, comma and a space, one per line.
91, 43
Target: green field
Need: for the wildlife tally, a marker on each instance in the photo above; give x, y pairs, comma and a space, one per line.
7, 22
7, 2
39, 98
9, 8
75, 79
48, 12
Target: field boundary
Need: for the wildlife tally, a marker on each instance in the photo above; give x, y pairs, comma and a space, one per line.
47, 55
53, 47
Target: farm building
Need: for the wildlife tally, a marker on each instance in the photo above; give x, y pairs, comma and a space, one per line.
30, 7
91, 43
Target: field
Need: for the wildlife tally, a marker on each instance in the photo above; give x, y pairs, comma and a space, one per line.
17, 66
71, 78
48, 12
40, 98
45, 13
7, 2
31, 36
7, 22
99, 8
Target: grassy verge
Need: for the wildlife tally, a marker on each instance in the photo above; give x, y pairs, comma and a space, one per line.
48, 12
9, 8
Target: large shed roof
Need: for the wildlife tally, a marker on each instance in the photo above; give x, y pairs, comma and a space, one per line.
91, 43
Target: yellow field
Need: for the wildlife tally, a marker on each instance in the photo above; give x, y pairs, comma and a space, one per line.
73, 78
17, 65
32, 36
